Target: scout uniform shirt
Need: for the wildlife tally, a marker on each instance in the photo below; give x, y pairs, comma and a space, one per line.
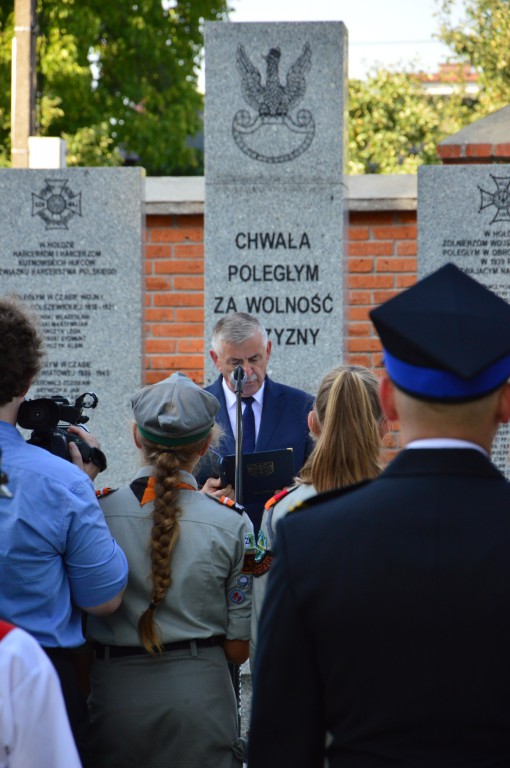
211, 567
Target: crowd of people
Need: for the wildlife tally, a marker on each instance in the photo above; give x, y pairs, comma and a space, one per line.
375, 599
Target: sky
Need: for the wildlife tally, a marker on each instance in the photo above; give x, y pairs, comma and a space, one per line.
387, 32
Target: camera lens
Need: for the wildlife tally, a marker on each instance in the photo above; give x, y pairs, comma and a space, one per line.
42, 413
38, 415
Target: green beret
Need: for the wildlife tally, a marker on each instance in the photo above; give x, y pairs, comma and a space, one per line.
174, 411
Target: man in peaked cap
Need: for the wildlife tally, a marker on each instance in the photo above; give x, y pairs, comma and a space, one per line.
387, 631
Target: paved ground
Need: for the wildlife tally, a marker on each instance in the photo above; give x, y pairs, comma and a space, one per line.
245, 697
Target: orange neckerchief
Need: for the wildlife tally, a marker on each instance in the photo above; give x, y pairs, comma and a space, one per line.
149, 493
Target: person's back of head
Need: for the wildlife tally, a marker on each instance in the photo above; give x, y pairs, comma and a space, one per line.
446, 347
462, 420
21, 348
348, 417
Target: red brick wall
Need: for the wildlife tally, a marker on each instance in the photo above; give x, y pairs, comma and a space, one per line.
174, 297
382, 261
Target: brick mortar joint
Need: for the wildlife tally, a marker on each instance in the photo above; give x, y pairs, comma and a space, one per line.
494, 149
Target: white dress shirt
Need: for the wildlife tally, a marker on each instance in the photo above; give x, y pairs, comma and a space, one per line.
230, 399
34, 729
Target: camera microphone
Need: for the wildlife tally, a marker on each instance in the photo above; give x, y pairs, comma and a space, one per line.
238, 376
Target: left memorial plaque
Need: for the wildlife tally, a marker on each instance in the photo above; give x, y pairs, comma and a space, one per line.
71, 247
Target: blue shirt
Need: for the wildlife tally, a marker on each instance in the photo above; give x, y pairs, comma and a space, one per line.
56, 553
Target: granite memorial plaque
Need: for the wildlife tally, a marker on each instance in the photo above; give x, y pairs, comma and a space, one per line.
464, 218
71, 247
274, 212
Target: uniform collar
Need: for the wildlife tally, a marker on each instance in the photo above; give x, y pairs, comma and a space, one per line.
149, 471
445, 442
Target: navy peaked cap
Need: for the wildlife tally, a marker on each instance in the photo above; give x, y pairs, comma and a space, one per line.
447, 338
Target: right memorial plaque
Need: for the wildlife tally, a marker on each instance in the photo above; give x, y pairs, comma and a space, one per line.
464, 218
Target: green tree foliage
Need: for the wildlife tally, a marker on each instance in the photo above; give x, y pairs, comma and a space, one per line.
139, 98
480, 34
6, 32
394, 126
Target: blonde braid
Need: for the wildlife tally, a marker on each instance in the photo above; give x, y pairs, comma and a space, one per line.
165, 527
164, 535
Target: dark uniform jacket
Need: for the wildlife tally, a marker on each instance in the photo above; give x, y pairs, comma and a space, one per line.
387, 623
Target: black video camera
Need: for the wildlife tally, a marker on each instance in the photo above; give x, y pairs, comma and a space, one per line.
49, 418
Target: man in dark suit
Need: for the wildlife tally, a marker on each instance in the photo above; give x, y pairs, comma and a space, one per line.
386, 634
279, 412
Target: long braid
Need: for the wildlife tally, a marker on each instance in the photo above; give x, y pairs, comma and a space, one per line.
164, 535
165, 528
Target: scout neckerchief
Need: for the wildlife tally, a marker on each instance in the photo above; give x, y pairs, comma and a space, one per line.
143, 488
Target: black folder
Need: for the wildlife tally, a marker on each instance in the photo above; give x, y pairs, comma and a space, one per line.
263, 473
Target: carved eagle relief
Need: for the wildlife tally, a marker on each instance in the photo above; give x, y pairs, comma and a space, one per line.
273, 99
273, 134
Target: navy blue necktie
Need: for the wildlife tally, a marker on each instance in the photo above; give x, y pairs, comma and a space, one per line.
248, 426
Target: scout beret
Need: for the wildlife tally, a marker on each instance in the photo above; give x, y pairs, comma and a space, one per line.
447, 338
174, 411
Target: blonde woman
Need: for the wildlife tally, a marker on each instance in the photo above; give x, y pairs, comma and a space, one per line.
161, 692
347, 424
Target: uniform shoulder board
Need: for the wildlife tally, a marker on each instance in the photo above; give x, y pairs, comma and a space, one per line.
227, 502
276, 498
320, 498
102, 492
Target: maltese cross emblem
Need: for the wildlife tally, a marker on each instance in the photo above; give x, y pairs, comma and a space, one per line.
56, 204
500, 199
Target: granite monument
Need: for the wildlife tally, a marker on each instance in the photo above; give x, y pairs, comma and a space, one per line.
71, 247
274, 205
464, 218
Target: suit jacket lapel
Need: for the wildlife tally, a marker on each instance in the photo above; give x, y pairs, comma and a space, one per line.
228, 443
272, 412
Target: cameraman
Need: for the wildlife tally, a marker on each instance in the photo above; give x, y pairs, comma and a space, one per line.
57, 556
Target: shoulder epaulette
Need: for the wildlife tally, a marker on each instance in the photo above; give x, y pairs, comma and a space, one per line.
102, 492
270, 509
321, 498
275, 499
227, 502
